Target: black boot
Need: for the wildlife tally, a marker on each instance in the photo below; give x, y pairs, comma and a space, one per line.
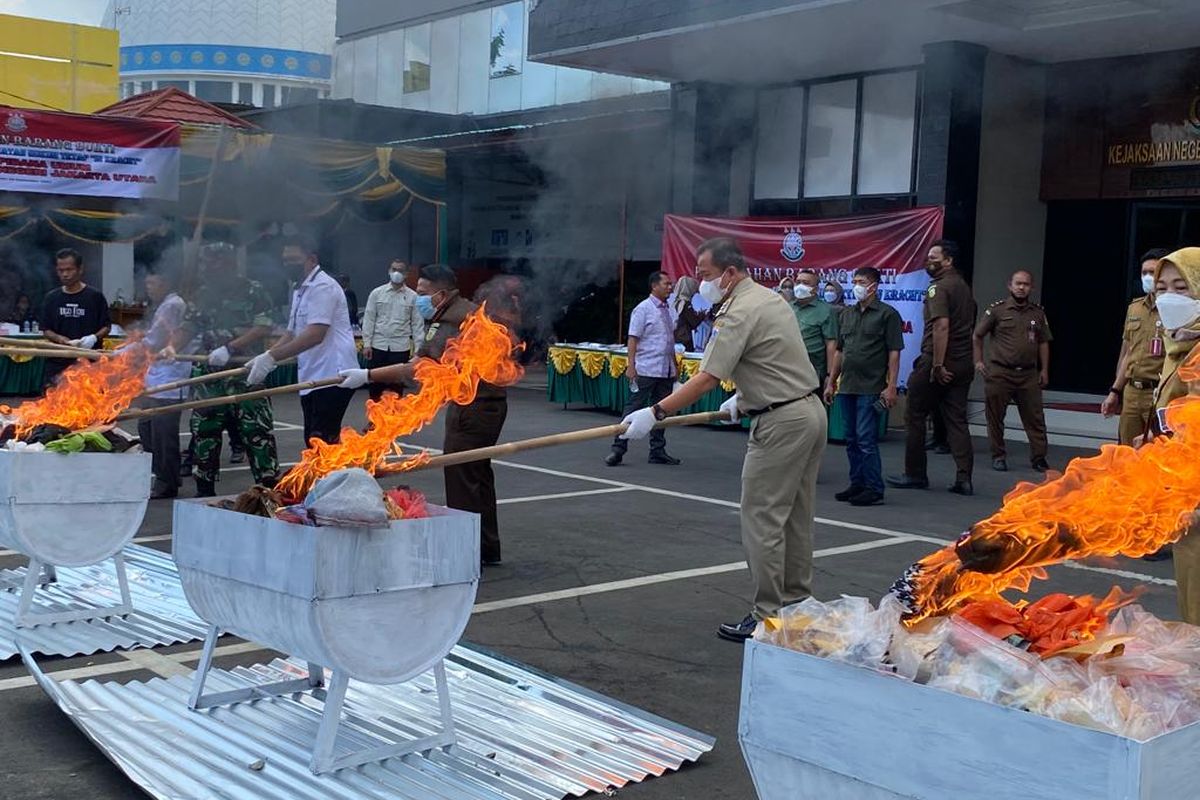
205, 488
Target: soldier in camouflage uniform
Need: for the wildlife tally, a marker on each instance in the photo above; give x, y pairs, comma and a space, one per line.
231, 316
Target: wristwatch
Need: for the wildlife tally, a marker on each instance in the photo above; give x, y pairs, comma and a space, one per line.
659, 413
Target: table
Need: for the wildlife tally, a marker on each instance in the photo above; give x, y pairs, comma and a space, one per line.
595, 375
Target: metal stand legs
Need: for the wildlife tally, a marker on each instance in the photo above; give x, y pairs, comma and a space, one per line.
42, 574
334, 697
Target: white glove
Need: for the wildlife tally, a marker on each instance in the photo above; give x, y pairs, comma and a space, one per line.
88, 342
640, 423
219, 357
260, 367
730, 409
75, 342
167, 353
352, 378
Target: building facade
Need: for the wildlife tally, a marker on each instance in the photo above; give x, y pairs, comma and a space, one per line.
54, 66
1062, 136
264, 53
457, 58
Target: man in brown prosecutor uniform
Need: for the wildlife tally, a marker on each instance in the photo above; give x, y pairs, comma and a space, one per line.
1018, 368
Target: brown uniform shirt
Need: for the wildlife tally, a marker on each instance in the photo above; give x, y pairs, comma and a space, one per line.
950, 296
445, 326
1142, 329
754, 344
1017, 330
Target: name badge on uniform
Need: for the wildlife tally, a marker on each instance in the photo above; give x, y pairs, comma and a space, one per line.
1162, 421
431, 331
1033, 331
1156, 344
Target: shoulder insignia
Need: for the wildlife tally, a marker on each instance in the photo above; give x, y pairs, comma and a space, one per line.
932, 291
997, 303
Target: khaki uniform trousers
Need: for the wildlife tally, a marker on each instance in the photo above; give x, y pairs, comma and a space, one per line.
779, 484
1136, 407
1004, 385
1186, 553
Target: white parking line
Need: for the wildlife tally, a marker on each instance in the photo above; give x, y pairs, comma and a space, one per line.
561, 495
662, 577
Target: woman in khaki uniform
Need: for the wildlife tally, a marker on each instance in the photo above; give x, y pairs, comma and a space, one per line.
1179, 273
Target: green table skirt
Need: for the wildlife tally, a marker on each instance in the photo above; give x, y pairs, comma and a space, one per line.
605, 391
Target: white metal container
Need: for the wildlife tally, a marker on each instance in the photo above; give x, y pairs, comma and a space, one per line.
381, 606
814, 728
71, 510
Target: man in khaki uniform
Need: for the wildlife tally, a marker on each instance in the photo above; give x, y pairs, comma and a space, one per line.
941, 377
1018, 368
1141, 359
754, 344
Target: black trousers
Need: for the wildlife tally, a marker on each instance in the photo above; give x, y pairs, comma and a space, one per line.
924, 396
385, 358
472, 487
323, 412
650, 391
160, 438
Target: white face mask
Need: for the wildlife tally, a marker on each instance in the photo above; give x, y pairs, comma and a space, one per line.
860, 292
396, 277
831, 297
1148, 283
803, 291
1176, 310
711, 291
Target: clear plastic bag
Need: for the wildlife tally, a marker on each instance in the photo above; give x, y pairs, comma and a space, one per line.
348, 498
848, 629
913, 650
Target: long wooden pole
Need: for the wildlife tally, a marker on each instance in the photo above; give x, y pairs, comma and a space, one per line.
41, 352
183, 382
225, 400
41, 344
571, 437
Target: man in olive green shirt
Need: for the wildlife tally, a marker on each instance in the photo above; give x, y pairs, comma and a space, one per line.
864, 373
818, 322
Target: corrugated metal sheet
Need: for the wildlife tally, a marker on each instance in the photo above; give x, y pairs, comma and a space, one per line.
161, 614
522, 735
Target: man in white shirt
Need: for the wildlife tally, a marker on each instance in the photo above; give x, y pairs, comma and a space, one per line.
319, 336
160, 434
392, 326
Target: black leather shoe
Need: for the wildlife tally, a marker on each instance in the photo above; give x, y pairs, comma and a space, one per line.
237, 455
867, 497
963, 487
161, 491
205, 488
738, 631
613, 459
1040, 465
845, 494
1000, 465
907, 482
664, 458
490, 562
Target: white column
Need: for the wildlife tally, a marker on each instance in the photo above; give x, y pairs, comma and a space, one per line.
116, 271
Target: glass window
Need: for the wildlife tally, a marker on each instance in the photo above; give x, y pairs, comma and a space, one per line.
366, 70
885, 155
572, 85
291, 95
268, 95
416, 59
777, 153
391, 68
343, 69
474, 31
215, 91
508, 40
444, 65
829, 145
246, 93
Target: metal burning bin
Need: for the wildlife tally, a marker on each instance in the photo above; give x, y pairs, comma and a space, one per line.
814, 728
380, 606
71, 510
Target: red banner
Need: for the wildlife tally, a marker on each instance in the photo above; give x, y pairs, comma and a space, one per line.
895, 243
55, 153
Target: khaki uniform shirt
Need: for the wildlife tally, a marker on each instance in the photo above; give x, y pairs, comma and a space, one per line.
1144, 334
754, 344
1017, 330
868, 336
445, 325
950, 296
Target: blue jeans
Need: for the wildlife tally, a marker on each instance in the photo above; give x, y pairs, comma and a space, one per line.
862, 439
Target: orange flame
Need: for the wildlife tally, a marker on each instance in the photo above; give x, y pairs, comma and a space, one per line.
87, 393
483, 351
1121, 502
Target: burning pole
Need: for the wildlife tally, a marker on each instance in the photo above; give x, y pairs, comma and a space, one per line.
1121, 502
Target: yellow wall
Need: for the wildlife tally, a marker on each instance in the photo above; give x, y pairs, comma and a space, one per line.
77, 69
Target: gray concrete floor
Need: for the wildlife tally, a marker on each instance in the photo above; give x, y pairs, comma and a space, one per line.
651, 644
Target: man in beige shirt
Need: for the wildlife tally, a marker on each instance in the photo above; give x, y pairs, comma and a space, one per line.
754, 344
392, 326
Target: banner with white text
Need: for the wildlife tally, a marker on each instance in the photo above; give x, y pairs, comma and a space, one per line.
52, 153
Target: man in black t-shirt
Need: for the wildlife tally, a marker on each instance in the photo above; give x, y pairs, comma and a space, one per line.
75, 314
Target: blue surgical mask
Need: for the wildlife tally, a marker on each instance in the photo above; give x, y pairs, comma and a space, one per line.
832, 296
425, 306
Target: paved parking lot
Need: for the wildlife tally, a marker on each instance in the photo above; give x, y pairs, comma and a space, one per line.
612, 578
